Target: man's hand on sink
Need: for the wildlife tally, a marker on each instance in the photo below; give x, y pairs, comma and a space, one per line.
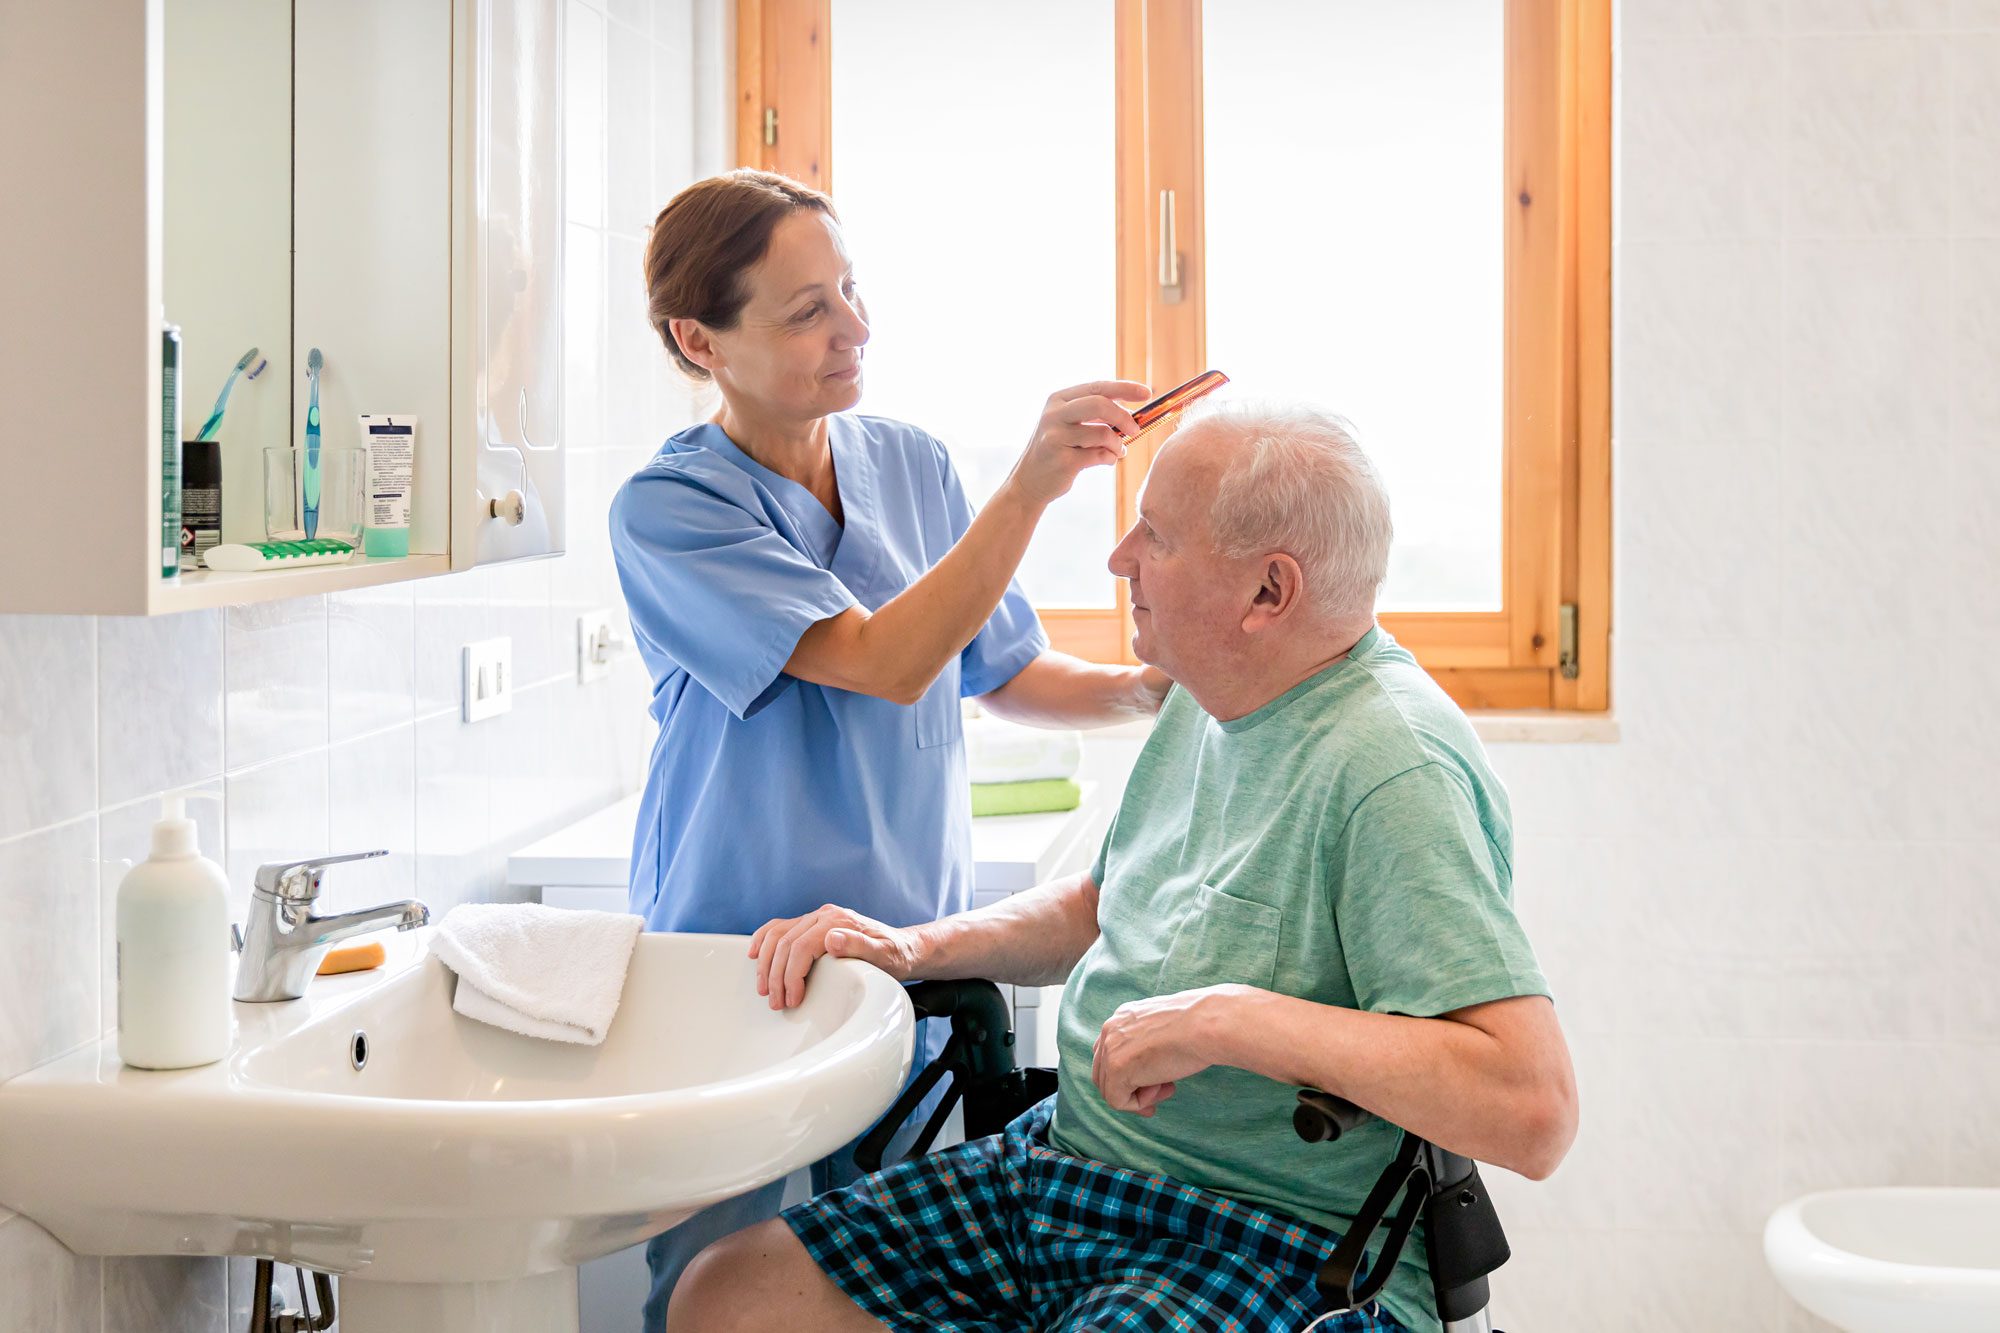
786, 949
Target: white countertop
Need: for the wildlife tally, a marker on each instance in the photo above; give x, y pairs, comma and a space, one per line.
1009, 852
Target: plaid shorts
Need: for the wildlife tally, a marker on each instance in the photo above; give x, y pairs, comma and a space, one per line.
1005, 1234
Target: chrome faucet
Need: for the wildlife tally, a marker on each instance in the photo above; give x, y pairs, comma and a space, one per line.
284, 942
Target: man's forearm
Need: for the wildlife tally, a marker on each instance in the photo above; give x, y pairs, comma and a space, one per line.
1451, 1082
1033, 938
1057, 690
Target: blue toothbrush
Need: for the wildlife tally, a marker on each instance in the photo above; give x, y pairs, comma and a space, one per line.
214, 422
314, 361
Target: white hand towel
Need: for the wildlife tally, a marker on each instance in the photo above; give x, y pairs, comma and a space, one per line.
997, 751
539, 971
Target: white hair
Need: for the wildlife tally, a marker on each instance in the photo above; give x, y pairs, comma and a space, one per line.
1302, 486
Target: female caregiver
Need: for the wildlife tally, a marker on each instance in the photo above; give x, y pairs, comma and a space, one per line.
812, 595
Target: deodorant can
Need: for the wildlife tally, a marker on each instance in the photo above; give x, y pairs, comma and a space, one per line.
201, 500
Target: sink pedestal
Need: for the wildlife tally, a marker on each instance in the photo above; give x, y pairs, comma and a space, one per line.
542, 1304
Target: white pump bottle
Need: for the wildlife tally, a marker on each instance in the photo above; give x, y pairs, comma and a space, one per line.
173, 952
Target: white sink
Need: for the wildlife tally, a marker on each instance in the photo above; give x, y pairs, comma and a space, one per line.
458, 1177
1892, 1260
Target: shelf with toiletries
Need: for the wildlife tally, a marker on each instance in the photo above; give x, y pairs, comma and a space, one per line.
357, 186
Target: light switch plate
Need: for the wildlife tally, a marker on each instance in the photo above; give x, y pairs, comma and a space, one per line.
597, 643
487, 678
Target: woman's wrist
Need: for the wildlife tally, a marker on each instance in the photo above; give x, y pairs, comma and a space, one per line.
1015, 496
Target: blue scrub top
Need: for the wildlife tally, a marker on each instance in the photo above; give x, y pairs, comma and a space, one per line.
767, 796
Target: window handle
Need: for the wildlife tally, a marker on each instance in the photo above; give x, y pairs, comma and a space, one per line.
1170, 255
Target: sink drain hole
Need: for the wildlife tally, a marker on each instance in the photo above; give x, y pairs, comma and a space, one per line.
357, 1050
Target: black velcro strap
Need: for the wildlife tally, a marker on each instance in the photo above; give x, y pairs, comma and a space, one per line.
1341, 1280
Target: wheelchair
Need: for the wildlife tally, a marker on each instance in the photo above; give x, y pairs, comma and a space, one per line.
1421, 1182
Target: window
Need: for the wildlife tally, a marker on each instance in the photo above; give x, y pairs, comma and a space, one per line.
1401, 212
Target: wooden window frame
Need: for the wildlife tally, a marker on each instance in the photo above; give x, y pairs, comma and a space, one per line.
1548, 647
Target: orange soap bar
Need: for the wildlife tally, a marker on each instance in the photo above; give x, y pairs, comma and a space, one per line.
353, 958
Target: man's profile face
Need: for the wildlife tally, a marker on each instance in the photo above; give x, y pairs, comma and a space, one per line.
1186, 603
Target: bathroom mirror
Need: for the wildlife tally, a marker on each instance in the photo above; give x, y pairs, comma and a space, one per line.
227, 229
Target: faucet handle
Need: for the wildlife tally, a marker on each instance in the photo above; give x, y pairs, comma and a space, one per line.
299, 880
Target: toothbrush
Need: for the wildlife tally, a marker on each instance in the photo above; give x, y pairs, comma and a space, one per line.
314, 361
214, 422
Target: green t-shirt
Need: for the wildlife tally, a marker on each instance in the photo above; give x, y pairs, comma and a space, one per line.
1346, 843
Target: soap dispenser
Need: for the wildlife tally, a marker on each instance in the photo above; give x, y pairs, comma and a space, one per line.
173, 952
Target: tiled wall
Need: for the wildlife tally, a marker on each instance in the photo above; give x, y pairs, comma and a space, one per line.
332, 722
1770, 909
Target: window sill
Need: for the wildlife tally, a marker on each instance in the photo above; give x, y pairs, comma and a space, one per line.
1528, 727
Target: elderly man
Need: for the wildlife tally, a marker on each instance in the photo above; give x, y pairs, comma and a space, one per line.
1307, 884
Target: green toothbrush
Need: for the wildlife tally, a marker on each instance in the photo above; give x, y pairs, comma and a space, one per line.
214, 422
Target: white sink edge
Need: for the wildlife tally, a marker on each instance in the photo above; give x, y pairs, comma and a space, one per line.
1793, 1247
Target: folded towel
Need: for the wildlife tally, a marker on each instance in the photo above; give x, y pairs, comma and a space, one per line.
997, 751
1025, 798
539, 971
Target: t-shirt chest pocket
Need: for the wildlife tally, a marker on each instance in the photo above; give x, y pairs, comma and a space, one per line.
1223, 939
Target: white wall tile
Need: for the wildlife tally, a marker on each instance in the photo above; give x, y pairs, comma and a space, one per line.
1653, 18
1867, 15
275, 667
629, 201
372, 803
1863, 538
1668, 1282
453, 808
674, 94
1862, 1113
1702, 139
1975, 137
525, 804
48, 720
583, 114
50, 991
43, 1287
452, 611
1868, 142
521, 610
583, 338
1699, 553
636, 15
630, 352
159, 702
1867, 923
1698, 340
1975, 343
276, 812
1866, 352
371, 655
186, 1295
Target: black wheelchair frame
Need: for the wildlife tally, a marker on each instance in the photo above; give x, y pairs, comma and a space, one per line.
1461, 1228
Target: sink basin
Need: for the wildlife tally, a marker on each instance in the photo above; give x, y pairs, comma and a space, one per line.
1892, 1260
458, 1157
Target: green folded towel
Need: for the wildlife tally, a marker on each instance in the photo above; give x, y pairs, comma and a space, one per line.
1025, 798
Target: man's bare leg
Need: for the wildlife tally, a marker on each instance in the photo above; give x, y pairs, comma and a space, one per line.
759, 1279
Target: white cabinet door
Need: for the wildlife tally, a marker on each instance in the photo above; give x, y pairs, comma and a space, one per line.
516, 315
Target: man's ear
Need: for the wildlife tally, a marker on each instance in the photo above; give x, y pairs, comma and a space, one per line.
697, 344
1279, 594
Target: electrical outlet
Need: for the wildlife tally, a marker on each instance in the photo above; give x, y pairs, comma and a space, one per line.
597, 643
487, 679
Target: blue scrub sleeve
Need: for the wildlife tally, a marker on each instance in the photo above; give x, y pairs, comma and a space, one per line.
1012, 636
714, 586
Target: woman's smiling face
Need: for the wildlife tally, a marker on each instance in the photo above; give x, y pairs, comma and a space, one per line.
796, 349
